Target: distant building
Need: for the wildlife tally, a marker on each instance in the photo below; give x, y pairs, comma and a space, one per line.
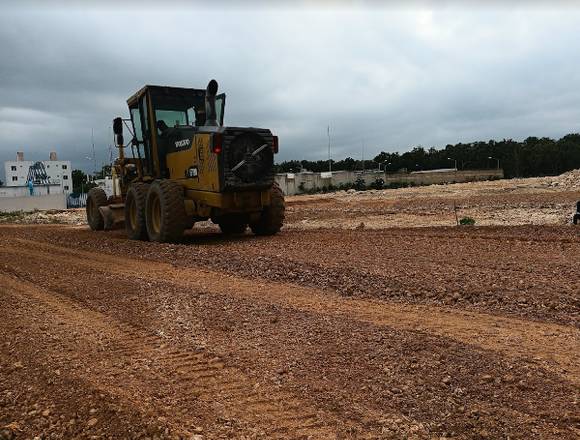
58, 172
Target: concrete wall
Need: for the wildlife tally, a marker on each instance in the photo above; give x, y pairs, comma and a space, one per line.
30, 203
290, 183
21, 191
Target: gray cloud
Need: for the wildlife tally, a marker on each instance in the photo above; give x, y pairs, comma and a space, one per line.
391, 78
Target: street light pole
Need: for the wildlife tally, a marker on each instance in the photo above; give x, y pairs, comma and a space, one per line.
385, 162
329, 159
454, 160
495, 158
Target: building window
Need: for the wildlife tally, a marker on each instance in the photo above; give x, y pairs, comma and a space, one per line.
65, 177
64, 167
14, 178
13, 167
66, 188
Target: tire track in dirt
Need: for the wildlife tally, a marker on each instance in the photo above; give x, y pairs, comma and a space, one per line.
201, 376
555, 346
540, 285
414, 362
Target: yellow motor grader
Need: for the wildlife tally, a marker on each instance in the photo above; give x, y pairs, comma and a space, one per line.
185, 166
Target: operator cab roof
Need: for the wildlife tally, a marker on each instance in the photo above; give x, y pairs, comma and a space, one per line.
166, 91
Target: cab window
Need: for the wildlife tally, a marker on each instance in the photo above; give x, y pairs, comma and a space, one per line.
172, 118
136, 118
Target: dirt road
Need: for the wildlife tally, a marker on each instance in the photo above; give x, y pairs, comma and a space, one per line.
395, 333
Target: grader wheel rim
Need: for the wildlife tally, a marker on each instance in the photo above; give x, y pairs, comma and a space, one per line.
133, 215
156, 214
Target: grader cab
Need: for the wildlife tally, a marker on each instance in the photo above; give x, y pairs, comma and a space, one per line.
185, 166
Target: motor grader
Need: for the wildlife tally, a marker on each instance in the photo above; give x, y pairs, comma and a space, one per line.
185, 166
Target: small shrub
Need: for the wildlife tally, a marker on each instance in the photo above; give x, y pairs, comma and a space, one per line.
379, 183
467, 221
359, 184
345, 186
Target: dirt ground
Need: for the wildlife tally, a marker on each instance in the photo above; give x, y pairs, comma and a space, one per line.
329, 330
536, 201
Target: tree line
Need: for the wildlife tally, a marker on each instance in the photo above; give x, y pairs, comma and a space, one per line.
529, 158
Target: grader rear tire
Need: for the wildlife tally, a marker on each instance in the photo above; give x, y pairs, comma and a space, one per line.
165, 211
135, 223
272, 217
95, 199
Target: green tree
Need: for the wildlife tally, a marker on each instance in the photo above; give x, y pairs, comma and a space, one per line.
532, 157
80, 184
105, 171
79, 179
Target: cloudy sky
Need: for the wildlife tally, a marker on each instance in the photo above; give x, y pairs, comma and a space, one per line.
391, 77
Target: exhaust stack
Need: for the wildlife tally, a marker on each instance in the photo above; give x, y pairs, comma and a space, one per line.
210, 113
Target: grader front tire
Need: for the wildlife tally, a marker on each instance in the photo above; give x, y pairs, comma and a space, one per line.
95, 199
165, 211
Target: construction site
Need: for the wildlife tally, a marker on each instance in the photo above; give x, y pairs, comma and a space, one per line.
378, 240
370, 315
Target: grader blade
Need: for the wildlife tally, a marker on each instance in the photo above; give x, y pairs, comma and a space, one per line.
114, 215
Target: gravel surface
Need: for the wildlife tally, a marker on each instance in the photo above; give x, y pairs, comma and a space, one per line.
352, 323
396, 333
538, 201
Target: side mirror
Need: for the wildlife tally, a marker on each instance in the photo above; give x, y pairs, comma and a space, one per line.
118, 126
118, 130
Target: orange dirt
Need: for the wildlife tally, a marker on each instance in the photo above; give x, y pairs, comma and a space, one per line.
392, 333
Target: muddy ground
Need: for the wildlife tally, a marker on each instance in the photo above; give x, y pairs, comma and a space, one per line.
331, 332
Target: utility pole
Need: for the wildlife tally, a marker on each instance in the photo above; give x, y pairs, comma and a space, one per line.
329, 157
94, 157
111, 146
363, 155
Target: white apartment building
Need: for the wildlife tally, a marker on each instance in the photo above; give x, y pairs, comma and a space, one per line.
58, 171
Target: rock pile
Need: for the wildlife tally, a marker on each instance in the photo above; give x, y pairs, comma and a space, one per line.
568, 180
69, 217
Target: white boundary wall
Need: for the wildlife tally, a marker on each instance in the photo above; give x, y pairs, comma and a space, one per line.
30, 203
290, 183
21, 191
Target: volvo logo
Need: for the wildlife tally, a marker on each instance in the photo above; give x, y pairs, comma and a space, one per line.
184, 143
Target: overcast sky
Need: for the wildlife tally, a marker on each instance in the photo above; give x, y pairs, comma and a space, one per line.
392, 78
